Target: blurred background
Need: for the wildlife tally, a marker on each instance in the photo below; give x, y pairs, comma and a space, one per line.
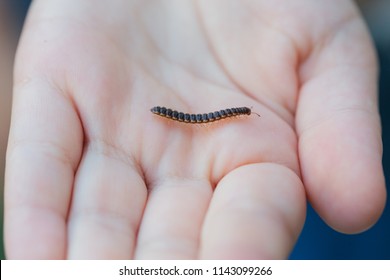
317, 241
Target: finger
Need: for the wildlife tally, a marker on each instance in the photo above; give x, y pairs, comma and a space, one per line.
172, 220
339, 131
43, 152
257, 212
108, 202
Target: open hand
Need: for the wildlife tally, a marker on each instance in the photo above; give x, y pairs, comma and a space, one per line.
92, 173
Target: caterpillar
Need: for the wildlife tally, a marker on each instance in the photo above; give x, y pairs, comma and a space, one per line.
201, 118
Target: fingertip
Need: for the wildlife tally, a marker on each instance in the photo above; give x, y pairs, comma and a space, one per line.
43, 234
347, 189
341, 164
356, 209
257, 212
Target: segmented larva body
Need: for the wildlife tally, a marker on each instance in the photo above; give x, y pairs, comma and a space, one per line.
200, 118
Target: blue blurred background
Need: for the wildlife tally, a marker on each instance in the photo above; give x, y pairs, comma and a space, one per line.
317, 240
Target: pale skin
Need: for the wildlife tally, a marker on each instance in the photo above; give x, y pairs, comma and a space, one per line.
93, 174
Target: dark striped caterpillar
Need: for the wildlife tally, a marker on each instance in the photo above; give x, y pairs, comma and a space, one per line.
201, 118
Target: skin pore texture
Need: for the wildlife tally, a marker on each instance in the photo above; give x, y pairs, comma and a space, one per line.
92, 173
